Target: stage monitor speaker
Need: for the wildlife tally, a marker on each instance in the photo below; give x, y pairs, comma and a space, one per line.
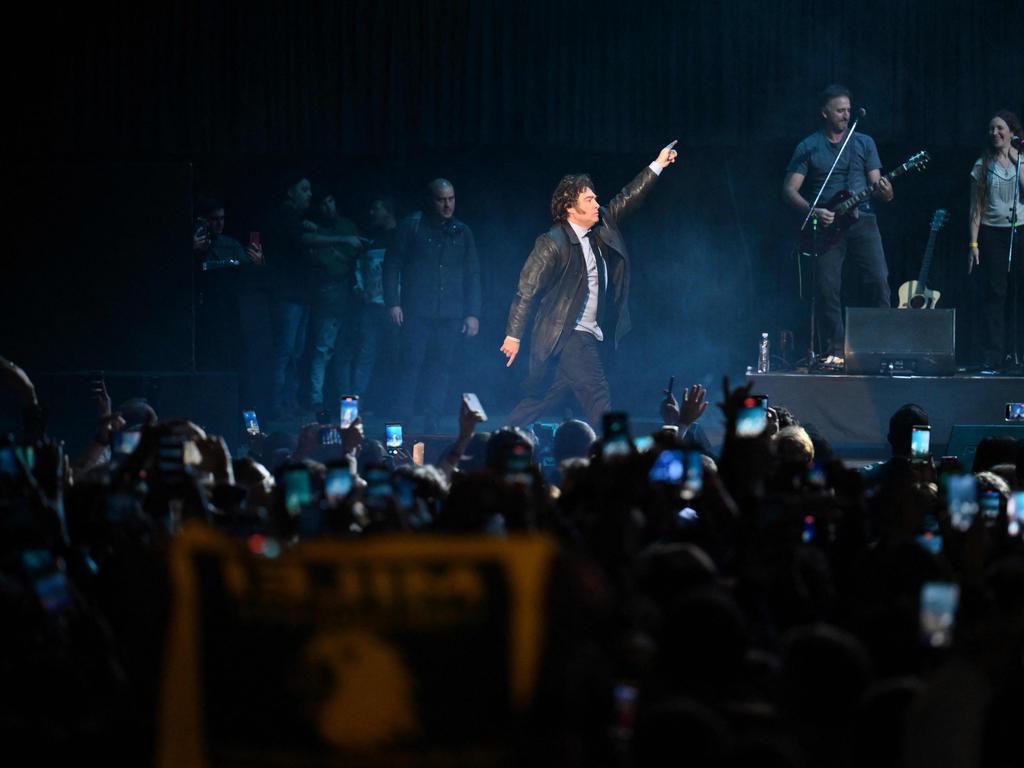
900, 341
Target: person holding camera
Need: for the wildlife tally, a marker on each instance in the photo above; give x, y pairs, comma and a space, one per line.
233, 303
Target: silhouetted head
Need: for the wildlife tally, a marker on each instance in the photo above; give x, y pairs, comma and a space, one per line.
901, 425
572, 440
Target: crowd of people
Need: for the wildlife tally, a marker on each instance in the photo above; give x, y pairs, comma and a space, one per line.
760, 605
317, 306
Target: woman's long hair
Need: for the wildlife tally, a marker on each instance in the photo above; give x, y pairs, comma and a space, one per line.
987, 154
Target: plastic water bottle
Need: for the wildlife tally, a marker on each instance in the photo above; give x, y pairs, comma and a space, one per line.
763, 354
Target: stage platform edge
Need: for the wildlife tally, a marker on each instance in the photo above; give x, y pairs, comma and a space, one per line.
852, 412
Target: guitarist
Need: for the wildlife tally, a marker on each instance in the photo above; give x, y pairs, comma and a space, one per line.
857, 169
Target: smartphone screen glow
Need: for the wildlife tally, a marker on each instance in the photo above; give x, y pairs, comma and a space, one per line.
920, 442
337, 484
1015, 513
752, 418
939, 602
962, 492
297, 489
349, 411
252, 426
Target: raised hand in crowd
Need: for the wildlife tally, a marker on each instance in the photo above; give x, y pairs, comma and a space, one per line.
669, 408
468, 419
693, 406
255, 253
201, 241
352, 438
215, 458
732, 401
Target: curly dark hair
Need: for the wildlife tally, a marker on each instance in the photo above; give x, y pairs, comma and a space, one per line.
567, 193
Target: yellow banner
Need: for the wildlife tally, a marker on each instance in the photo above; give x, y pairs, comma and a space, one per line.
373, 652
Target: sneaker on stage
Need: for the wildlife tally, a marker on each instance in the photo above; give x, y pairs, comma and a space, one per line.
831, 364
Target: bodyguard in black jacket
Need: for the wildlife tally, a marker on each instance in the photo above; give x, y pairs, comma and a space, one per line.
432, 290
576, 278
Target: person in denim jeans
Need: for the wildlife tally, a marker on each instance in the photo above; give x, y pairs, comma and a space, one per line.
378, 339
291, 242
336, 305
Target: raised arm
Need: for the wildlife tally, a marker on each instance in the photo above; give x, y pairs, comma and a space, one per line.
633, 193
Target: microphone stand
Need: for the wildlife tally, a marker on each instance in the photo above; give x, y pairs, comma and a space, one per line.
812, 219
1014, 278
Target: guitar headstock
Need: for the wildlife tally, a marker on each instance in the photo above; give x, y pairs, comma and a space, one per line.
917, 162
939, 219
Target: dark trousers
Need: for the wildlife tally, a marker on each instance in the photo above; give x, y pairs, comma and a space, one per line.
993, 253
375, 330
427, 351
290, 317
256, 339
577, 370
862, 244
335, 335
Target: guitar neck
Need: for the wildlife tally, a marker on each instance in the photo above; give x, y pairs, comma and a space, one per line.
926, 262
854, 200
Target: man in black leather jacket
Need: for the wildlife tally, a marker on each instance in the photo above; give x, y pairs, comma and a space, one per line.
576, 278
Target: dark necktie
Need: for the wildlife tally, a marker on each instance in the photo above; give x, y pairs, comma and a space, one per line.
601, 276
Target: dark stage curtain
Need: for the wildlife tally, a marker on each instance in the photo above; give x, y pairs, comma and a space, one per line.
188, 78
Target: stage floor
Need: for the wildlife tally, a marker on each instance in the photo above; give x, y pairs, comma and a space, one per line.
852, 412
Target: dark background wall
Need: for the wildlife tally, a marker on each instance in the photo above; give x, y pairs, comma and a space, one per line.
122, 114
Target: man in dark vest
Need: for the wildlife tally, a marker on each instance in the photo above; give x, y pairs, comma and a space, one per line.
576, 278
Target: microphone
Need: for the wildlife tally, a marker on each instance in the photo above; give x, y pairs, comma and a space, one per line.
861, 113
1015, 142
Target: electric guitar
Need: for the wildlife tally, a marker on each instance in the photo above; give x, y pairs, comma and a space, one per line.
844, 205
915, 294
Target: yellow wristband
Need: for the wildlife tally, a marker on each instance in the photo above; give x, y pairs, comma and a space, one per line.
972, 245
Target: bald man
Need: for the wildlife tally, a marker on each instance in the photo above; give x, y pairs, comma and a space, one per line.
432, 291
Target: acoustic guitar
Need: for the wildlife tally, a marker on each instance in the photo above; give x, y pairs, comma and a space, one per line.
915, 294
